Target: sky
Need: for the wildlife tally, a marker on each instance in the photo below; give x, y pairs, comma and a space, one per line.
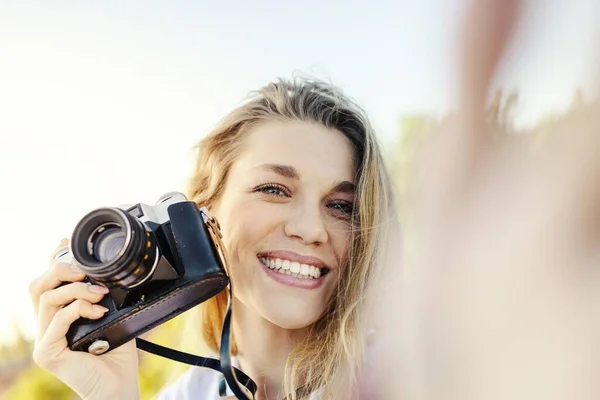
101, 103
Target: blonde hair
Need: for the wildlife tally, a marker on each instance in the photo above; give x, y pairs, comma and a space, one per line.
330, 361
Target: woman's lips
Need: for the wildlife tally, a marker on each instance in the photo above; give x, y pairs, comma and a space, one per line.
293, 256
291, 280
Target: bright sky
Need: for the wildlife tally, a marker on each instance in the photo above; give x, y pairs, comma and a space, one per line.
101, 102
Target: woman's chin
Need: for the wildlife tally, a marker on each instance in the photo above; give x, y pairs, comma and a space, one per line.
292, 320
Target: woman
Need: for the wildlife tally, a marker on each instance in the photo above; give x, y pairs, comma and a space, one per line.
297, 181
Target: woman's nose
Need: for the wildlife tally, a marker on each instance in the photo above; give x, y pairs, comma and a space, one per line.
307, 223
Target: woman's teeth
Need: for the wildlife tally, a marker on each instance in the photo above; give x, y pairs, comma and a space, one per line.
293, 268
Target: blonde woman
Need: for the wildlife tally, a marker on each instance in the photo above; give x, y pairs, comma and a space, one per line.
297, 181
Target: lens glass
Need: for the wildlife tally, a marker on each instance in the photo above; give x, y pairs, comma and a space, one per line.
113, 247
107, 242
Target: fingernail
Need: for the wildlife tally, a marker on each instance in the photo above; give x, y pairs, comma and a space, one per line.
99, 308
97, 289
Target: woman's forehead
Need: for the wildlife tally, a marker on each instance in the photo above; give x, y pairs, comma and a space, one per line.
301, 145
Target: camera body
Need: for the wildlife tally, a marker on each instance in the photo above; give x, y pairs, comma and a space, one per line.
157, 262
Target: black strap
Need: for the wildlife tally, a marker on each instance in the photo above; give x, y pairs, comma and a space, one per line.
229, 371
242, 386
194, 360
222, 387
177, 355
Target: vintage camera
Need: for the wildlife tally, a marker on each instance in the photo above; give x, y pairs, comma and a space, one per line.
157, 262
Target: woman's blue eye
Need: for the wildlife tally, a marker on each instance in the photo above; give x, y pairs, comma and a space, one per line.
273, 190
342, 206
277, 190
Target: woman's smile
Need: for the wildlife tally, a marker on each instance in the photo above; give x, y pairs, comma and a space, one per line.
292, 269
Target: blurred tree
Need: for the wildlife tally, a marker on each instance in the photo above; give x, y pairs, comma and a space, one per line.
35, 383
22, 345
500, 113
412, 130
4, 353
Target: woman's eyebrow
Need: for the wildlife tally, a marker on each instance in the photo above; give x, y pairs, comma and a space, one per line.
287, 171
343, 187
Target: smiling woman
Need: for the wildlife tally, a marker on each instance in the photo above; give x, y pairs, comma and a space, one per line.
290, 216
297, 181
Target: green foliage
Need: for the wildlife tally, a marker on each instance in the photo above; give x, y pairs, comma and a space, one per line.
500, 115
35, 383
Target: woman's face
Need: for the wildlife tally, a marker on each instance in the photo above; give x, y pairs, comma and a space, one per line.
285, 215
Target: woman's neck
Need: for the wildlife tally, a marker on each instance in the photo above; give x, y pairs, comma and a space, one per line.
263, 350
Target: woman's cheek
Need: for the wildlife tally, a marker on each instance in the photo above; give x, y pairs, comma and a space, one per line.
340, 241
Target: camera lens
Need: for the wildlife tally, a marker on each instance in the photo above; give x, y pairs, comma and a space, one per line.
114, 248
107, 242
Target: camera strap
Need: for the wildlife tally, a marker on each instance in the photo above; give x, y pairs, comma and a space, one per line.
239, 383
242, 386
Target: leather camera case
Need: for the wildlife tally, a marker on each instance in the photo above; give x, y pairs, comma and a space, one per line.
196, 248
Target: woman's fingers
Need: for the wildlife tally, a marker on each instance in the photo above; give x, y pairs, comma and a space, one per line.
484, 37
53, 340
458, 150
54, 300
52, 278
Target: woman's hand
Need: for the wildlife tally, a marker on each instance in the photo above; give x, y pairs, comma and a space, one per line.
500, 299
109, 376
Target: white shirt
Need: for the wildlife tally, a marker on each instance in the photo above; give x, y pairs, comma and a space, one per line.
199, 383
